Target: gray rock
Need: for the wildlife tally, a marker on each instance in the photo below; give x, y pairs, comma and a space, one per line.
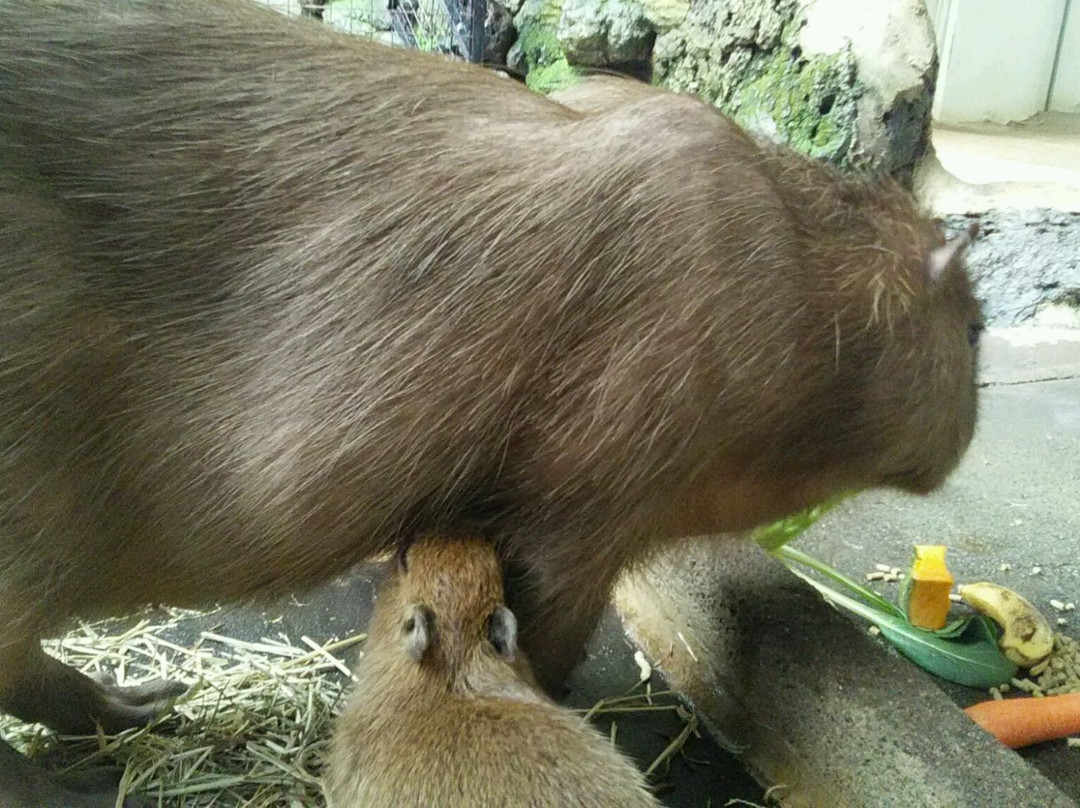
895, 55
724, 45
844, 80
599, 32
499, 33
557, 36
1027, 262
606, 32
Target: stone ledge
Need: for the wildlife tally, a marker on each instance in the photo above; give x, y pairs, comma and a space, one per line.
812, 703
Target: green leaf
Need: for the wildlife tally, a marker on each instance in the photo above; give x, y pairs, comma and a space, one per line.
965, 651
953, 629
779, 533
967, 655
970, 658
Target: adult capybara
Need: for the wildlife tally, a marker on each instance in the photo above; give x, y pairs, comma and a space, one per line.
273, 297
445, 711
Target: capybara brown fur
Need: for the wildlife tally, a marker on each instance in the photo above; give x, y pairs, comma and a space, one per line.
603, 92
445, 710
273, 297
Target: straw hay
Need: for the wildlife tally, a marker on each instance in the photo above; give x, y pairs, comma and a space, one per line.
252, 730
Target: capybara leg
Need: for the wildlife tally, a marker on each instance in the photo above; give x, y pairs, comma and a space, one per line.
558, 611
24, 784
37, 687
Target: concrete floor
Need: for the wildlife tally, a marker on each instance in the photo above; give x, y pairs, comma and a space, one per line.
1015, 501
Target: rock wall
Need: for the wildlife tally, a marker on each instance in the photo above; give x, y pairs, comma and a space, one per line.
844, 80
849, 81
1027, 265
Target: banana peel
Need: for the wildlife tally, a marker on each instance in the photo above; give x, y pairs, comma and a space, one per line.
1027, 638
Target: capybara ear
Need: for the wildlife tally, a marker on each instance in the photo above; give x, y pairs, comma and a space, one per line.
502, 633
416, 630
403, 558
947, 255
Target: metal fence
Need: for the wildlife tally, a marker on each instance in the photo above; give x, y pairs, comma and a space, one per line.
452, 27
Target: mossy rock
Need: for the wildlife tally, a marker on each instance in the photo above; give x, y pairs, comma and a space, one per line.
599, 33
537, 52
744, 57
755, 61
811, 104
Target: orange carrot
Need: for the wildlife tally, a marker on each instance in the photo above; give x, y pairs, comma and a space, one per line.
1023, 721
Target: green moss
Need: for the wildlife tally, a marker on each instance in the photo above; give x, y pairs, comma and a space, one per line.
557, 76
765, 82
539, 14
547, 68
809, 102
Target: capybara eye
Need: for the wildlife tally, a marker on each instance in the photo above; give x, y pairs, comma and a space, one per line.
974, 332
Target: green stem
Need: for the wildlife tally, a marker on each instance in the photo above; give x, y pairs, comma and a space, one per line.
851, 604
788, 553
